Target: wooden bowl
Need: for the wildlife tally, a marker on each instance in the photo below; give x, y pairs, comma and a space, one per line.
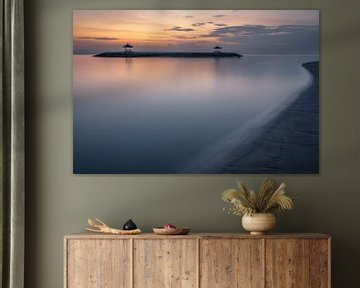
171, 231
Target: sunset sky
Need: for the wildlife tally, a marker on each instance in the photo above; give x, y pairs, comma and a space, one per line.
243, 31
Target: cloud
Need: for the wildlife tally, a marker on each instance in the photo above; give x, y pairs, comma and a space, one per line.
261, 30
189, 16
181, 37
178, 28
220, 24
288, 39
199, 24
96, 38
219, 15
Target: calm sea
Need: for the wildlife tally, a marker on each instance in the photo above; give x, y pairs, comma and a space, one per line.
166, 115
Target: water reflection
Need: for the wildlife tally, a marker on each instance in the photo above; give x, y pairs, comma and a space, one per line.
128, 62
153, 115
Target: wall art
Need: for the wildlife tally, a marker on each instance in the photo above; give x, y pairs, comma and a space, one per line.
200, 91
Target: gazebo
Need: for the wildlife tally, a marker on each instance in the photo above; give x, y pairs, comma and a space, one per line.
217, 49
127, 47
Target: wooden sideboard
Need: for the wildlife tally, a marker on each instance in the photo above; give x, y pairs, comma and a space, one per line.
197, 260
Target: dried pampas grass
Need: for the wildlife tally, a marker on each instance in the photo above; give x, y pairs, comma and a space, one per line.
267, 200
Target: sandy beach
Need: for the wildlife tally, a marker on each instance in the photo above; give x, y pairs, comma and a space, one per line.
287, 144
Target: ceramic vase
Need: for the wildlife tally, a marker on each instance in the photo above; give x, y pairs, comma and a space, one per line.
259, 223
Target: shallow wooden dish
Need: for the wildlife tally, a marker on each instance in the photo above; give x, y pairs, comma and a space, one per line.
171, 231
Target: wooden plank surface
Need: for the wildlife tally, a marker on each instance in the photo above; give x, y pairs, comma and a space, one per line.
198, 236
287, 263
197, 260
319, 263
66, 262
231, 263
169, 263
98, 264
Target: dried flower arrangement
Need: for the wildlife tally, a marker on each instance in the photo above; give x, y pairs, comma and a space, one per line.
268, 200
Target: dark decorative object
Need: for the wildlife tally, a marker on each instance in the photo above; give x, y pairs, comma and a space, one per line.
129, 225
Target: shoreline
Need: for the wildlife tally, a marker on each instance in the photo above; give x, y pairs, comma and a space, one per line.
289, 143
169, 54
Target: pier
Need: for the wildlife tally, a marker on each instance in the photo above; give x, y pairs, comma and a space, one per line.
131, 54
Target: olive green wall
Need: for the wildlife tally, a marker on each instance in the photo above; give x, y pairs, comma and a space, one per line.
59, 202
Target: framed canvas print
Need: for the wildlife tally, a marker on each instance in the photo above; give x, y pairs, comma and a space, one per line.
201, 91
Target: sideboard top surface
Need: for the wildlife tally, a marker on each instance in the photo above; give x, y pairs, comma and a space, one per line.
86, 235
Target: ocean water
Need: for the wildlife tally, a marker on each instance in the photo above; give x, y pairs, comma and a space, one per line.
174, 115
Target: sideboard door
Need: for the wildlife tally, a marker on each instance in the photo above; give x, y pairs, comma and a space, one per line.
320, 263
98, 263
231, 263
287, 263
297, 263
165, 263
